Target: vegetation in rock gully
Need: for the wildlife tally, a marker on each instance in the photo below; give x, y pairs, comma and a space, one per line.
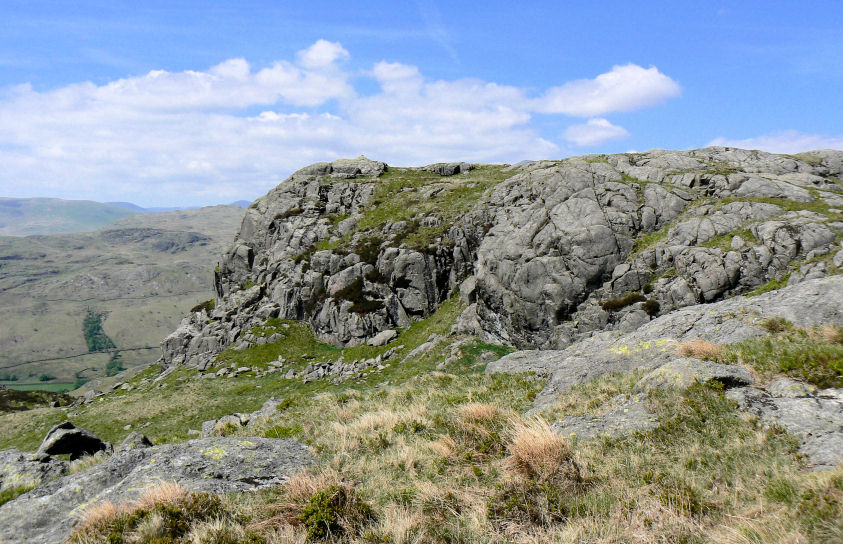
403, 194
95, 337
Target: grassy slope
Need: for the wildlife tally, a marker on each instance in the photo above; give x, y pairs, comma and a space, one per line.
430, 450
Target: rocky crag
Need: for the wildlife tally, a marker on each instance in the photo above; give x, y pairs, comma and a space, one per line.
545, 253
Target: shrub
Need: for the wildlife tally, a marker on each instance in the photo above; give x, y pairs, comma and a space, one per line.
368, 248
334, 511
615, 304
652, 307
206, 306
291, 212
776, 324
354, 293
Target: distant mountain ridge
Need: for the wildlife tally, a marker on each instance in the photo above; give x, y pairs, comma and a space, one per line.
28, 216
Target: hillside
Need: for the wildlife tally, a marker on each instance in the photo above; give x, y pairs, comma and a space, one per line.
25, 216
137, 276
610, 348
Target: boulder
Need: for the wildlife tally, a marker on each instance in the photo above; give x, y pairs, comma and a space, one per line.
383, 338
448, 169
67, 438
213, 465
134, 441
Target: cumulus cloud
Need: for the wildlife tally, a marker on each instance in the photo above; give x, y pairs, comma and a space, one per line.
194, 137
624, 88
594, 132
784, 141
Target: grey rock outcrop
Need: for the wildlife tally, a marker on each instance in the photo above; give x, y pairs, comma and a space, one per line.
214, 465
813, 302
631, 416
67, 438
23, 469
557, 252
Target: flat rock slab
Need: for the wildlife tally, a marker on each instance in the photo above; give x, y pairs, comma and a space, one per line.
214, 465
631, 416
816, 417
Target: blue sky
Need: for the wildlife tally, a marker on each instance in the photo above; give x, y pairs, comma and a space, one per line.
209, 102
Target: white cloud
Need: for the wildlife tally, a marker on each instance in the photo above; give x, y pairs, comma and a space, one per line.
193, 137
321, 54
594, 132
784, 141
624, 88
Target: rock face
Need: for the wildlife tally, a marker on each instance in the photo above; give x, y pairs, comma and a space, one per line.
813, 302
215, 465
552, 254
67, 438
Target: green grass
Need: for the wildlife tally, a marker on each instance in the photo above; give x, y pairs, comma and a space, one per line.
13, 493
812, 355
771, 285
54, 387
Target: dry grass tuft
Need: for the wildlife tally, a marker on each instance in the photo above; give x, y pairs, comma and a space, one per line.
479, 412
537, 453
400, 525
444, 446
216, 530
830, 334
86, 462
101, 511
301, 486
700, 349
163, 493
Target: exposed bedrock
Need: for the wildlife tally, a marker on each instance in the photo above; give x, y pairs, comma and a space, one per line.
549, 253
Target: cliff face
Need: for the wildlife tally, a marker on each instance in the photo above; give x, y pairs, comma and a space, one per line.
543, 253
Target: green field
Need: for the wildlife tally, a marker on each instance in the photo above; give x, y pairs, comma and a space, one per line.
55, 387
